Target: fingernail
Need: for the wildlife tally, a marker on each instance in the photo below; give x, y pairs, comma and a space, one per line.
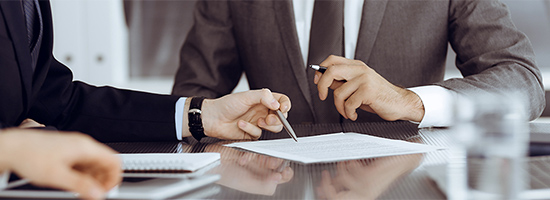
272, 120
316, 79
262, 123
277, 177
275, 104
242, 124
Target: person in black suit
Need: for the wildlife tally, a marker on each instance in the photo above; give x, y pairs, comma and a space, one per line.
33, 84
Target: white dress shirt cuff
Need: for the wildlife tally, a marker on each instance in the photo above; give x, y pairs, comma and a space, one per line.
4, 176
180, 105
438, 105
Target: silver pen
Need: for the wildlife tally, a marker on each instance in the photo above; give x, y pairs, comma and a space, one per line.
287, 126
318, 68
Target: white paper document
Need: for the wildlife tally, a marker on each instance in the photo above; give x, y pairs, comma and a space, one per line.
334, 147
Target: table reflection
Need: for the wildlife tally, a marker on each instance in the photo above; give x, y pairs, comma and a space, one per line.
365, 179
250, 172
247, 175
258, 174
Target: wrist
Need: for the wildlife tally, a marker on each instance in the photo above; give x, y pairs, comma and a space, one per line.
206, 117
414, 107
185, 126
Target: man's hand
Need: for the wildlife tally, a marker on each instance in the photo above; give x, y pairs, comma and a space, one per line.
356, 85
68, 161
244, 115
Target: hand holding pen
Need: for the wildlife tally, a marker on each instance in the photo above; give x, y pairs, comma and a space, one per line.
321, 70
356, 85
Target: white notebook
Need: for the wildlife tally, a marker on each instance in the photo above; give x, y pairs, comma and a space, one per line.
167, 161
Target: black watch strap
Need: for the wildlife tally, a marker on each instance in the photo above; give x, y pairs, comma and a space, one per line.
194, 118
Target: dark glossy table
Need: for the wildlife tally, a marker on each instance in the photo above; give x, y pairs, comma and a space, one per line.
247, 175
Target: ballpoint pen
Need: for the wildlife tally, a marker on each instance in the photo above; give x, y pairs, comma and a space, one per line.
287, 126
322, 70
318, 68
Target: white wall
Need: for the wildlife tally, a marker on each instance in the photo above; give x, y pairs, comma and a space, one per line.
91, 38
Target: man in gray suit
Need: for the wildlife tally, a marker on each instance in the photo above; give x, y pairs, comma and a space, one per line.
404, 43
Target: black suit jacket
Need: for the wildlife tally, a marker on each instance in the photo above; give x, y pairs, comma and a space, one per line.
50, 96
404, 41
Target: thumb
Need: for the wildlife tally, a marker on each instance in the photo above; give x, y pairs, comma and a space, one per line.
263, 96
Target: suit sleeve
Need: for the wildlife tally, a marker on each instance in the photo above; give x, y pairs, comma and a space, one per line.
209, 60
107, 114
492, 54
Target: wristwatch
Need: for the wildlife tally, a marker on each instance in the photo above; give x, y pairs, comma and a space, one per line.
194, 117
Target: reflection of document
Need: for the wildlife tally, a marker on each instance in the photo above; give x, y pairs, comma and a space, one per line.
333, 147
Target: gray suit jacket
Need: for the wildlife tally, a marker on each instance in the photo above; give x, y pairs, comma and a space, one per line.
404, 41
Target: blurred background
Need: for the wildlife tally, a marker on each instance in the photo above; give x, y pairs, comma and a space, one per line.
135, 44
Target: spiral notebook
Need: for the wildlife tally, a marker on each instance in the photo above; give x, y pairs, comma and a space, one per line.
171, 162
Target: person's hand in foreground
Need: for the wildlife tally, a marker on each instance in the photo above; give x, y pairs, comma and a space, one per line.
243, 115
68, 161
356, 85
